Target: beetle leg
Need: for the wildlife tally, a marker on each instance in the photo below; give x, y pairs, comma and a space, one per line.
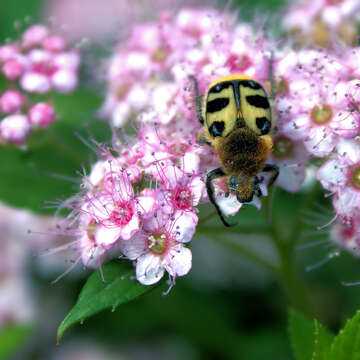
203, 140
215, 174
274, 169
257, 189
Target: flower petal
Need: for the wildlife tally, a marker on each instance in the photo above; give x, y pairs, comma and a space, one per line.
229, 205
350, 149
332, 174
149, 269
106, 235
178, 261
197, 188
291, 176
320, 141
128, 230
146, 204
91, 255
134, 247
184, 225
347, 203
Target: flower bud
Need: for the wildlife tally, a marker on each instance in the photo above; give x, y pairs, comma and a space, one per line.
34, 36
11, 101
15, 128
42, 114
54, 43
12, 69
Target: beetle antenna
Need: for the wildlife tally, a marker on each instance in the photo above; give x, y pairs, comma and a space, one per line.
197, 99
271, 75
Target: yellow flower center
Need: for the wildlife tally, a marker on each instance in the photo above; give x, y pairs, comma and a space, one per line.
159, 55
158, 243
321, 114
356, 177
91, 231
283, 147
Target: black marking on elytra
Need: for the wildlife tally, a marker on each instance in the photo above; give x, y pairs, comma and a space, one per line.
251, 84
258, 101
216, 105
216, 128
263, 124
219, 87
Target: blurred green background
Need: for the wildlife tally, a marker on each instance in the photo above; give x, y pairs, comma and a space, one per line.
226, 308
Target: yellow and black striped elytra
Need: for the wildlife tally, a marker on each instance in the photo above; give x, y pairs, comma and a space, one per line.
237, 123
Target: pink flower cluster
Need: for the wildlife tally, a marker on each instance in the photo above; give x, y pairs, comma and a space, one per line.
150, 71
142, 204
38, 63
148, 77
141, 201
317, 105
323, 21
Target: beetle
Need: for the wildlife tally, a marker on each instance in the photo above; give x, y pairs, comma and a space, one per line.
237, 122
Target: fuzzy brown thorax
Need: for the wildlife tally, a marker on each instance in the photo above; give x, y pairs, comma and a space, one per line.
242, 151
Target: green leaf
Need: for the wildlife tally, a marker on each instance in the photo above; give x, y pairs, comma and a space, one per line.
310, 340
302, 336
119, 287
346, 345
322, 342
11, 338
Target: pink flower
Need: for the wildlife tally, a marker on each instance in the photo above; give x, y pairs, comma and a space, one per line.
341, 176
181, 191
315, 105
64, 80
160, 247
115, 219
226, 199
54, 43
34, 36
15, 129
13, 69
42, 114
92, 255
40, 62
9, 52
11, 101
117, 211
321, 21
291, 158
35, 82
346, 235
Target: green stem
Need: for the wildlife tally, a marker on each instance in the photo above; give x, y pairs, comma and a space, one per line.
239, 249
207, 218
290, 282
298, 225
64, 148
243, 230
285, 244
288, 277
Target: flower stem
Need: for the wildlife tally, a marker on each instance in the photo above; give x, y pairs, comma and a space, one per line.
289, 280
64, 148
244, 251
285, 245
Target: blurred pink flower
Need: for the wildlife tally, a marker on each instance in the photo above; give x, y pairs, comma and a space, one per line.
41, 61
109, 18
322, 22
341, 176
